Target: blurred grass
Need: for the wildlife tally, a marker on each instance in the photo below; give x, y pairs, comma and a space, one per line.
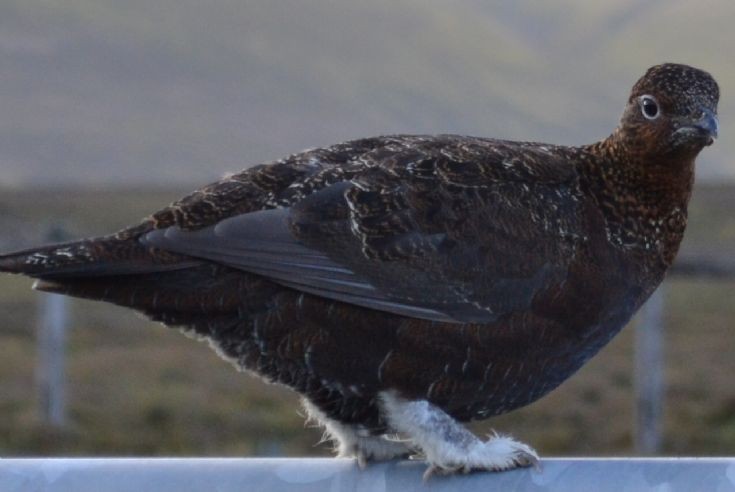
136, 387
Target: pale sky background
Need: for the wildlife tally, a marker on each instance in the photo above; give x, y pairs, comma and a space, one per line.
174, 92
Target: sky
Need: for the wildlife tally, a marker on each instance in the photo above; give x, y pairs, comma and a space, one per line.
179, 92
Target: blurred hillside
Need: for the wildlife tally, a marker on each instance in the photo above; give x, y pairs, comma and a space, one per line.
180, 91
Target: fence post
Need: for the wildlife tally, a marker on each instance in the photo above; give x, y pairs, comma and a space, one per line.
51, 340
649, 381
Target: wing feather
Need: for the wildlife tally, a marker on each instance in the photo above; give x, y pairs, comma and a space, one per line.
445, 229
260, 243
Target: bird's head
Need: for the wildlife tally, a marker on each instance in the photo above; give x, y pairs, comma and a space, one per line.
672, 111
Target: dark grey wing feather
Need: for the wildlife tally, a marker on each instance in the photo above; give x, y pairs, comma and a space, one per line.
259, 242
262, 243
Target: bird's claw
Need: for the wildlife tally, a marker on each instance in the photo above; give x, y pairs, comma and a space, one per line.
524, 459
521, 456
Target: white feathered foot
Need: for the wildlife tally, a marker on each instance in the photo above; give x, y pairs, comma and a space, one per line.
447, 446
351, 442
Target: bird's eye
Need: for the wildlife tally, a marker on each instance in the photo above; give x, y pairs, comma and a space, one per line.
649, 107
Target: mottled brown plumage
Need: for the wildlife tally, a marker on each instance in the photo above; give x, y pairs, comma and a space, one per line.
470, 273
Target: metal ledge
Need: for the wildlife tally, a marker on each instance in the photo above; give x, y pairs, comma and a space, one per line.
322, 475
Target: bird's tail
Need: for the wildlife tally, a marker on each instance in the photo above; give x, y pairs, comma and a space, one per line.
177, 290
95, 257
109, 268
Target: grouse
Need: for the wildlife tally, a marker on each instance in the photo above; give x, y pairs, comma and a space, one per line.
405, 284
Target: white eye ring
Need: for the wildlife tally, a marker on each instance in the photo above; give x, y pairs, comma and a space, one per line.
649, 107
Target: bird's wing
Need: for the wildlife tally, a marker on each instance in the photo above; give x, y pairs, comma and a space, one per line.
461, 230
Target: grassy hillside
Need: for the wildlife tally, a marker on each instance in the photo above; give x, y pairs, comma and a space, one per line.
138, 388
167, 91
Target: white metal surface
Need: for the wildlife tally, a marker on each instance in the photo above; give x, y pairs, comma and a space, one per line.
324, 475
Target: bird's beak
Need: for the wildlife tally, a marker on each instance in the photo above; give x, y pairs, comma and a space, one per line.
708, 125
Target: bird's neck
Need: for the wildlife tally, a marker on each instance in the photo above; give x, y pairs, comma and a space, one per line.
644, 198
654, 178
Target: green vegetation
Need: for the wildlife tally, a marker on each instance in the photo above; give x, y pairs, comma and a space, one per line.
138, 388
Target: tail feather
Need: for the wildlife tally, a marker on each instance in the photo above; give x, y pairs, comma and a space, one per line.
104, 256
177, 290
204, 299
205, 288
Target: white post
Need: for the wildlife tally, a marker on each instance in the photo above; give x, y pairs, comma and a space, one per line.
51, 366
649, 381
51, 339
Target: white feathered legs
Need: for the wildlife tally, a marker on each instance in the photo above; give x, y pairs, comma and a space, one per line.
351, 443
446, 445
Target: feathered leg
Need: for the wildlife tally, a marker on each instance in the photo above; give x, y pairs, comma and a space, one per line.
350, 442
447, 445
